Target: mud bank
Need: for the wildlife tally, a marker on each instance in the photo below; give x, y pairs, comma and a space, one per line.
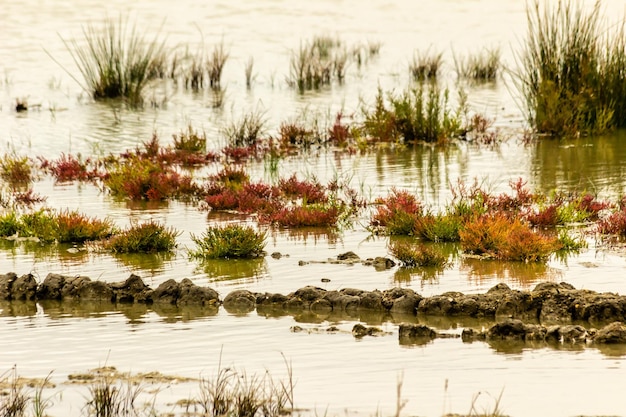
548, 303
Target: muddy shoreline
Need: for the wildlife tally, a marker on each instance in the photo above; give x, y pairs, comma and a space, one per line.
550, 312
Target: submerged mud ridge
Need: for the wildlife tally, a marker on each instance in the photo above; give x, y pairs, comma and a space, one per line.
521, 315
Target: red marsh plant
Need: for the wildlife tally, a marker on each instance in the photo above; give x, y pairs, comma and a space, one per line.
142, 179
311, 215
187, 150
615, 224
230, 177
339, 134
75, 227
398, 213
501, 237
68, 168
296, 134
310, 192
27, 198
250, 198
147, 237
229, 241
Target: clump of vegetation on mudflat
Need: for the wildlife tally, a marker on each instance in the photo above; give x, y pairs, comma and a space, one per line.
572, 70
290, 203
425, 65
16, 170
116, 60
501, 237
412, 254
480, 67
147, 237
229, 241
48, 226
519, 226
69, 168
419, 114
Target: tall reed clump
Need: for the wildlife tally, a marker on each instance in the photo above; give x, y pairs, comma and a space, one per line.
572, 71
116, 60
425, 65
14, 400
482, 66
316, 62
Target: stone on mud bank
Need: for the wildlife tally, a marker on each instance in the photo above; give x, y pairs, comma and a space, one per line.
131, 290
415, 334
22, 288
516, 330
240, 301
612, 333
359, 331
547, 303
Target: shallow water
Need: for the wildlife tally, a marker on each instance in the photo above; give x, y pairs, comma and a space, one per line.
332, 370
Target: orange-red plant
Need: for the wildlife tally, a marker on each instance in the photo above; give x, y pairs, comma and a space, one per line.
501, 237
398, 213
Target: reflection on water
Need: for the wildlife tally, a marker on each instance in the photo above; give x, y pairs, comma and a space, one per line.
522, 274
407, 275
151, 264
64, 254
243, 271
306, 235
596, 165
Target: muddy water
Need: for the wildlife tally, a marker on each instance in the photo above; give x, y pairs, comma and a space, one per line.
334, 372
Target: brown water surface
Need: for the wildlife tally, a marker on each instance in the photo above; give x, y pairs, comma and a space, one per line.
334, 372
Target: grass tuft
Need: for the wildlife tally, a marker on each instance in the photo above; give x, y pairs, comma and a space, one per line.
425, 65
147, 237
229, 241
482, 66
412, 255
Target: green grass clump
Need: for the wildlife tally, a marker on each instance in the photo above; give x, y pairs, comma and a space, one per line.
420, 114
412, 255
439, 227
230, 241
64, 227
572, 70
245, 131
115, 60
9, 224
148, 237
190, 141
16, 169
40, 224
